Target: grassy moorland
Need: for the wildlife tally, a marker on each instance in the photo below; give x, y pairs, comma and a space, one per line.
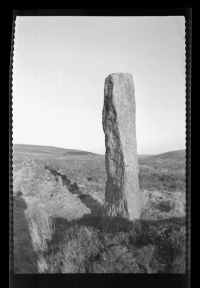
59, 222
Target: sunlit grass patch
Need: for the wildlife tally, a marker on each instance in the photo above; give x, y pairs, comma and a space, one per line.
162, 204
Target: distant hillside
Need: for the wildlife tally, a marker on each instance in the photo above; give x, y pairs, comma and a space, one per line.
178, 155
175, 159
168, 158
48, 150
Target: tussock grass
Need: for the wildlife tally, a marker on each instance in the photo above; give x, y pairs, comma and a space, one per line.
162, 204
41, 226
69, 207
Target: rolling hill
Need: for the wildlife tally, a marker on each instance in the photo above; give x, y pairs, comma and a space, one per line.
48, 150
178, 155
174, 158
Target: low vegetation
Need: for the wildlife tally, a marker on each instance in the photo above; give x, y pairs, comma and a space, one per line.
59, 225
158, 248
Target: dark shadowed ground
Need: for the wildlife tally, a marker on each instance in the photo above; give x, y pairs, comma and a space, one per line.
23, 248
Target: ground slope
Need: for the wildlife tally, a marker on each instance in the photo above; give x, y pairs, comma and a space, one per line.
174, 156
38, 149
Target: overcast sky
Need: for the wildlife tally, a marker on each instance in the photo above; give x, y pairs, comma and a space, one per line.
60, 64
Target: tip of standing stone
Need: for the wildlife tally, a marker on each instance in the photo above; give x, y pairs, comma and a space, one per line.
120, 75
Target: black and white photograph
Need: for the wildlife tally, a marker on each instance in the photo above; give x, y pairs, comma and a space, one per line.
99, 144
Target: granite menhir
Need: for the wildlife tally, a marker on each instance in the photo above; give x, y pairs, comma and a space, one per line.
122, 196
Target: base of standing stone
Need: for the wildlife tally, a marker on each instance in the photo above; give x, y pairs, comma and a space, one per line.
120, 210
114, 210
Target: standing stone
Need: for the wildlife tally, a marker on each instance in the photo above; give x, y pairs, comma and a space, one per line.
122, 188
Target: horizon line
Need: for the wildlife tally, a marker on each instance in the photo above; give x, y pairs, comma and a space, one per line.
184, 149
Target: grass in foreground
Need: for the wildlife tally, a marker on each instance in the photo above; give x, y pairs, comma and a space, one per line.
147, 248
60, 229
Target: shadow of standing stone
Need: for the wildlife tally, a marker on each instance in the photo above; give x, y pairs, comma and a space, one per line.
95, 207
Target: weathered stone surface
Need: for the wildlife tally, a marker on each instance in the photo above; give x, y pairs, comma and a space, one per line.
122, 188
